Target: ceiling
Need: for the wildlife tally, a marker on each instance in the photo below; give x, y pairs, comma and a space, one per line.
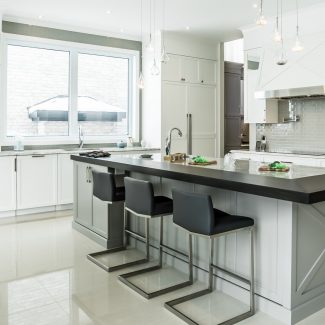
211, 19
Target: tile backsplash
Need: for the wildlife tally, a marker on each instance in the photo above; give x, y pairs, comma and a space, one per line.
306, 135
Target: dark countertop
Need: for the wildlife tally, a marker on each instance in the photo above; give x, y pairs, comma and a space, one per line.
302, 184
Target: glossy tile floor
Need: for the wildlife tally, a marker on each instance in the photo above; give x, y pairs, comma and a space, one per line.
45, 278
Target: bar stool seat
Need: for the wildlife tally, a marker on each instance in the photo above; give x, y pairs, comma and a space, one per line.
194, 213
141, 201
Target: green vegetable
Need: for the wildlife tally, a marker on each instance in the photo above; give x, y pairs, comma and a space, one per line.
277, 165
199, 159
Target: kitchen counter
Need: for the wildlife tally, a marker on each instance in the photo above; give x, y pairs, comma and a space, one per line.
302, 184
71, 151
290, 225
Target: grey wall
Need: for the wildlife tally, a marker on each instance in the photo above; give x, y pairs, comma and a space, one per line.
306, 135
64, 35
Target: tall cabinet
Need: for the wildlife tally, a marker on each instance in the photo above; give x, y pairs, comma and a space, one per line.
189, 103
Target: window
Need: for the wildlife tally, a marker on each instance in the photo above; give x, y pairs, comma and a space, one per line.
52, 89
36, 78
103, 94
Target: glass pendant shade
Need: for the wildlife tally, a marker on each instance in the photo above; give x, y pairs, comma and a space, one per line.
155, 69
281, 58
141, 81
277, 36
261, 20
164, 55
149, 46
298, 47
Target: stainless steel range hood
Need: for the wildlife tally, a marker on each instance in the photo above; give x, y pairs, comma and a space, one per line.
305, 92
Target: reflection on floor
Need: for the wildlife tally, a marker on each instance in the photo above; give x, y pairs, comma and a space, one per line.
45, 278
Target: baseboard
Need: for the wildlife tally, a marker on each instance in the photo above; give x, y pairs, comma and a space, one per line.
90, 234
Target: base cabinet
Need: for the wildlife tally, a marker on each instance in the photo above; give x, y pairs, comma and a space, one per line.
8, 184
36, 181
65, 179
94, 215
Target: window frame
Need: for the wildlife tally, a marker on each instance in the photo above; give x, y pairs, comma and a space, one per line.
74, 49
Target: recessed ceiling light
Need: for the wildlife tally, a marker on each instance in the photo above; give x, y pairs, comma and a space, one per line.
187, 28
255, 5
40, 17
108, 12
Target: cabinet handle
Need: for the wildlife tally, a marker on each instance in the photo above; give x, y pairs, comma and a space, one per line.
38, 156
183, 79
89, 175
15, 165
202, 81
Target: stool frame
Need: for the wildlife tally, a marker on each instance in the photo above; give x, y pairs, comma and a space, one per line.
170, 305
124, 278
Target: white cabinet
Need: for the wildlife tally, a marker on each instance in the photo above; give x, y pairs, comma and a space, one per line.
181, 99
190, 70
36, 181
207, 72
65, 179
90, 212
8, 184
257, 110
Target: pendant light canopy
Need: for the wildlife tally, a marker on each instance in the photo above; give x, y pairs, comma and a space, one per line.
261, 20
298, 47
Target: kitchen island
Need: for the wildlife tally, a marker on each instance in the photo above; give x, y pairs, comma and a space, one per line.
288, 209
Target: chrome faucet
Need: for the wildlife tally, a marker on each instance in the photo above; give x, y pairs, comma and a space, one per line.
169, 139
81, 137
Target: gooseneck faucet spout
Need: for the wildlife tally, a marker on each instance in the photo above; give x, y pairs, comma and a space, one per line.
81, 137
169, 139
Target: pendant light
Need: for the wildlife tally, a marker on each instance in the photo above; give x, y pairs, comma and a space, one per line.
261, 20
155, 71
164, 55
282, 58
298, 47
149, 46
141, 77
277, 35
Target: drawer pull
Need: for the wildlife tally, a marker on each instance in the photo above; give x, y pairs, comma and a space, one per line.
38, 156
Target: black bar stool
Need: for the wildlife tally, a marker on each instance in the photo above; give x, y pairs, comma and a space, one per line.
195, 214
141, 202
105, 189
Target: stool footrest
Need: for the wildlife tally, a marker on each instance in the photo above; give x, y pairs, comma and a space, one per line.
93, 257
170, 305
148, 295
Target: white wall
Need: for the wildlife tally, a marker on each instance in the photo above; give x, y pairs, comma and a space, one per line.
234, 51
151, 96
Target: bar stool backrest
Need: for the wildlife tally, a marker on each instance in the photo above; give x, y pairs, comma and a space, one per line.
104, 186
193, 212
139, 196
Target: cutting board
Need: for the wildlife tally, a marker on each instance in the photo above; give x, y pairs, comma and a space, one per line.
269, 169
212, 162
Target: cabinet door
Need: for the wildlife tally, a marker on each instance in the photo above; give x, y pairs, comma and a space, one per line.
171, 71
190, 69
202, 106
174, 110
232, 94
8, 184
84, 195
99, 222
255, 109
207, 72
36, 181
205, 146
65, 179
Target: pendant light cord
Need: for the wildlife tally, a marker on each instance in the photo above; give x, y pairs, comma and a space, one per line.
297, 7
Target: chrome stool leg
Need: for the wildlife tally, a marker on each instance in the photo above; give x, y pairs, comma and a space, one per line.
148, 295
94, 256
170, 305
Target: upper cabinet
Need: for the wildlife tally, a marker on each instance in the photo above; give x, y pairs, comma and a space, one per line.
256, 110
190, 70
